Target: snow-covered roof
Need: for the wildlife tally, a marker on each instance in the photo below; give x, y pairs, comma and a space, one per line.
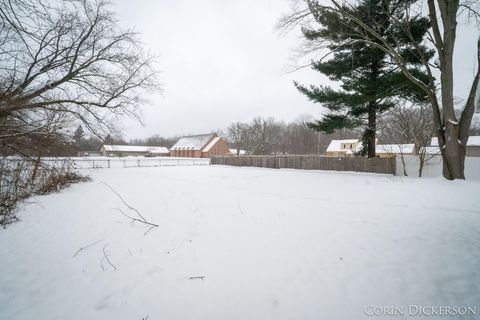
432, 150
211, 144
473, 141
126, 148
336, 145
192, 142
395, 148
234, 151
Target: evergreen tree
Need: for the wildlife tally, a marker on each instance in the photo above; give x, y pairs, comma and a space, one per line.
79, 138
108, 140
370, 82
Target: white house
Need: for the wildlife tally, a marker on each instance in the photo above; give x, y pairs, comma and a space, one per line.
348, 148
343, 148
388, 150
125, 150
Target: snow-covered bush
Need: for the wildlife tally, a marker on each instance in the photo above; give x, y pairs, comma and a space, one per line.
21, 177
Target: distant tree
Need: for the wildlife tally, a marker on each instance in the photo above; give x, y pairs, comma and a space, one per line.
93, 144
155, 141
237, 134
302, 139
79, 138
108, 140
405, 124
261, 135
369, 82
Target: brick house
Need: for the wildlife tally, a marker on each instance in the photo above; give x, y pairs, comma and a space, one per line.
199, 146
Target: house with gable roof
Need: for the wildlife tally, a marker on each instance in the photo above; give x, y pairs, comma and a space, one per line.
199, 146
349, 147
343, 148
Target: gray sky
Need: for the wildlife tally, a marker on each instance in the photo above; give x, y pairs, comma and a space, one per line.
223, 61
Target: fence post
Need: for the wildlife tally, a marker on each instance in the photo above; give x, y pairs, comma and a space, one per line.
124, 164
138, 163
93, 164
108, 161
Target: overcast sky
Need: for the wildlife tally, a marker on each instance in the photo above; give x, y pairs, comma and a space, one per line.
224, 61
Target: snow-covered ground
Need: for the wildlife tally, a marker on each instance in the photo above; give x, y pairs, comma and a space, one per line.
269, 244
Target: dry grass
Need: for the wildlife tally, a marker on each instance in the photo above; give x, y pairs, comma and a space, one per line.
23, 177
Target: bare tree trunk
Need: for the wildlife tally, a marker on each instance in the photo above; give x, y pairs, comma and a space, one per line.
403, 164
453, 166
421, 163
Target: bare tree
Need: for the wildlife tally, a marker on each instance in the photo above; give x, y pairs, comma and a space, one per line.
405, 124
237, 134
62, 62
452, 131
261, 135
68, 58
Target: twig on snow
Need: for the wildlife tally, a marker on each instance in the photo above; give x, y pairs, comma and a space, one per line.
126, 204
86, 247
197, 277
135, 219
240, 209
142, 218
105, 257
145, 233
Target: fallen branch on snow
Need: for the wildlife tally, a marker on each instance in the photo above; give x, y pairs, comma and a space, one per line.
126, 204
135, 219
105, 257
142, 219
197, 277
86, 247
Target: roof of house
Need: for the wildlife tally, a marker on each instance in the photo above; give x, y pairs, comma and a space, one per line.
211, 144
336, 145
395, 148
473, 141
193, 142
126, 148
432, 150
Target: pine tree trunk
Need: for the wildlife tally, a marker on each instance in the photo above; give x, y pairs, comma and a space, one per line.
372, 128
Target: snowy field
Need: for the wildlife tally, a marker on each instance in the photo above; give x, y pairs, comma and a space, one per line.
242, 243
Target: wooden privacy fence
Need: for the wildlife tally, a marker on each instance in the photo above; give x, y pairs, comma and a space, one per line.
359, 164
